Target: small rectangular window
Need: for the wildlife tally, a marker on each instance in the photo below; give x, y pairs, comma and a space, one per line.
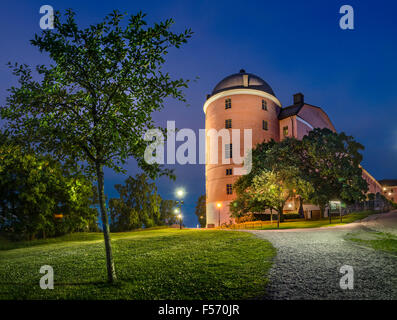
264, 104
229, 189
264, 125
228, 123
228, 103
228, 151
285, 131
229, 172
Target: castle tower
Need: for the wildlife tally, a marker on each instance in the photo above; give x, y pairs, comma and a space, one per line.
239, 101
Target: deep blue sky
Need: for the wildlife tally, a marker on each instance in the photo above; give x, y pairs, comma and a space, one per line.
293, 45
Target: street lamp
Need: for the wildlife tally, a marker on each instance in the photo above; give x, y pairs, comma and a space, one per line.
180, 193
180, 221
219, 205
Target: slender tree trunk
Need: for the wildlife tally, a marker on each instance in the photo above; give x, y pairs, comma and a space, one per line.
301, 213
105, 225
280, 211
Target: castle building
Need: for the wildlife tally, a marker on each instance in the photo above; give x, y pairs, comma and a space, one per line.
245, 101
389, 189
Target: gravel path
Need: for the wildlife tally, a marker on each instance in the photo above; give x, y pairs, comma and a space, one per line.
308, 262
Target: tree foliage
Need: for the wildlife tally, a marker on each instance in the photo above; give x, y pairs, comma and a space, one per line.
200, 211
34, 188
323, 166
139, 205
95, 101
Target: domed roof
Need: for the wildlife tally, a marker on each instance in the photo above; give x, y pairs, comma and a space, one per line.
236, 81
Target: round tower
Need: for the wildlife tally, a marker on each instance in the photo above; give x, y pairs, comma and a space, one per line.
240, 101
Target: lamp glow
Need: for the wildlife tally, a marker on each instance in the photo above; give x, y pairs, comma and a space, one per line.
180, 193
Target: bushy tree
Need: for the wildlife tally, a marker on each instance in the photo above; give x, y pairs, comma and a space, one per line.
33, 188
200, 211
138, 206
167, 215
277, 186
323, 166
332, 165
95, 101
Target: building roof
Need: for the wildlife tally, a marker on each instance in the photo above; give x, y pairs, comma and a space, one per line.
388, 182
236, 81
290, 111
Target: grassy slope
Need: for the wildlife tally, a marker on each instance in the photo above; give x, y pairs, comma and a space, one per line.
317, 223
155, 264
376, 240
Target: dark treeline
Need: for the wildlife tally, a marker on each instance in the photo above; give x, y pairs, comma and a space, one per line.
41, 197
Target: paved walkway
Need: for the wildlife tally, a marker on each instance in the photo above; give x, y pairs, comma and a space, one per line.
308, 262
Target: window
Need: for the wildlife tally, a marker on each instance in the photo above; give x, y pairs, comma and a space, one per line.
264, 125
228, 103
264, 104
229, 189
228, 151
229, 172
285, 131
228, 123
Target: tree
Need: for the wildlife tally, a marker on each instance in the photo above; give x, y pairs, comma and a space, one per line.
96, 100
272, 160
139, 205
201, 211
321, 167
275, 187
33, 188
332, 165
167, 216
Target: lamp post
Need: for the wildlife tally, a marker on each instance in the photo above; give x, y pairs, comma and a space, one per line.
219, 205
180, 221
180, 193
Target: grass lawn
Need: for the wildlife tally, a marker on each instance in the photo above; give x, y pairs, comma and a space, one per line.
153, 264
312, 224
376, 240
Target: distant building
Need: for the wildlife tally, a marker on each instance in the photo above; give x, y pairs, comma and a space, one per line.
245, 101
389, 189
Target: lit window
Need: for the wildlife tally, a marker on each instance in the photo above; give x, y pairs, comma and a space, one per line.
228, 103
264, 104
228, 123
229, 172
229, 189
228, 151
264, 125
285, 131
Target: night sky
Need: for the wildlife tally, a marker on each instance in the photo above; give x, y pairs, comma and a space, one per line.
296, 46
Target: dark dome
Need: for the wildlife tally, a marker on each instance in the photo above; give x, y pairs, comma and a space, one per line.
235, 81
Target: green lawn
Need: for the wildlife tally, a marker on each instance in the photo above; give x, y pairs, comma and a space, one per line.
316, 223
154, 264
376, 240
